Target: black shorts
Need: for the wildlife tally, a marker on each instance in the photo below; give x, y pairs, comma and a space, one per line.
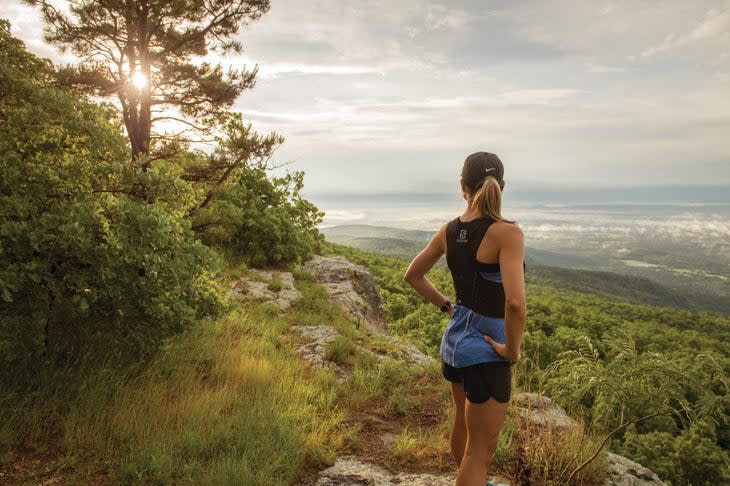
482, 381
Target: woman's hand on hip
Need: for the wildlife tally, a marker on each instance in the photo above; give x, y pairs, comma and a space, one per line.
503, 350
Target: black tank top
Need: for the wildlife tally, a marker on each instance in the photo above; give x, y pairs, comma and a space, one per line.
472, 290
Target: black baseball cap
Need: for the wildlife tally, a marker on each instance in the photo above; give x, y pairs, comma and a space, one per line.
478, 166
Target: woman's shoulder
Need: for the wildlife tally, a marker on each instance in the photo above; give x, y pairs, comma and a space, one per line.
506, 232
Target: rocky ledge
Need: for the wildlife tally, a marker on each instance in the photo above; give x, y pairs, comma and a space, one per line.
540, 411
351, 471
625, 472
352, 286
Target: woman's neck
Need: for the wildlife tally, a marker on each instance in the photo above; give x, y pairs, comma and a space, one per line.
470, 213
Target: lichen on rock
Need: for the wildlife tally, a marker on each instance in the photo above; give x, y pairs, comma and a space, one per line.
259, 286
625, 472
540, 411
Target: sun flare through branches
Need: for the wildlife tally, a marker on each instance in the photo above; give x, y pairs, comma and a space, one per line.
139, 80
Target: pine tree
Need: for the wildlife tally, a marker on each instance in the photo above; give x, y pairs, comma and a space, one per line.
147, 54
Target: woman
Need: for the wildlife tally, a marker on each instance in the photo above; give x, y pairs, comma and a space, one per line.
485, 254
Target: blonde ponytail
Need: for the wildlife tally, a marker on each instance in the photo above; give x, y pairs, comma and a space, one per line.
487, 200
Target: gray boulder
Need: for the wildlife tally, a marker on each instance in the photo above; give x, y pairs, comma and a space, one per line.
352, 286
625, 472
313, 348
540, 411
351, 471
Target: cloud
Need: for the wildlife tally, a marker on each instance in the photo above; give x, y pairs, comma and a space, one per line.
715, 24
597, 68
290, 69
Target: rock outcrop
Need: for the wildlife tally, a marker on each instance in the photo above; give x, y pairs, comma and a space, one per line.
312, 347
351, 471
352, 286
313, 341
405, 351
540, 411
264, 286
625, 472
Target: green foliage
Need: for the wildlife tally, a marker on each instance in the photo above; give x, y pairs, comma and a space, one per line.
657, 448
638, 290
626, 388
691, 458
19, 63
622, 386
424, 325
85, 264
265, 221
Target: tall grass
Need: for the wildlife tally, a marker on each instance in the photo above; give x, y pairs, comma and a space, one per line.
222, 404
544, 456
315, 308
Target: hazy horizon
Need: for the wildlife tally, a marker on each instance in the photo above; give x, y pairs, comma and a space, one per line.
694, 194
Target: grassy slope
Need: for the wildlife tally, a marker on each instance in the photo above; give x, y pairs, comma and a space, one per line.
224, 403
229, 402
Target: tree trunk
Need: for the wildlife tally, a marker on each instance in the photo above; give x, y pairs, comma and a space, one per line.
145, 92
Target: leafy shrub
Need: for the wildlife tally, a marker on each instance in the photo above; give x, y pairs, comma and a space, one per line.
87, 265
264, 220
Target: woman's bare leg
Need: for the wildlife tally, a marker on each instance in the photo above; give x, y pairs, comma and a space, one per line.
483, 423
457, 438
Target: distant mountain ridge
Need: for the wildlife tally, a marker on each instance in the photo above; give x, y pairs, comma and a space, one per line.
544, 267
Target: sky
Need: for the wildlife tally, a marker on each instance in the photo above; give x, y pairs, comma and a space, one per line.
389, 97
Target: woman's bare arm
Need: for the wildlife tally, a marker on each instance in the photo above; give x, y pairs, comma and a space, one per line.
422, 263
511, 263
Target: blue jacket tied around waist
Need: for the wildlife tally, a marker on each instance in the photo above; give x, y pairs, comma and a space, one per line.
463, 341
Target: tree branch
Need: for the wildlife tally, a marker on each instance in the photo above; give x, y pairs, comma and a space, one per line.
611, 434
